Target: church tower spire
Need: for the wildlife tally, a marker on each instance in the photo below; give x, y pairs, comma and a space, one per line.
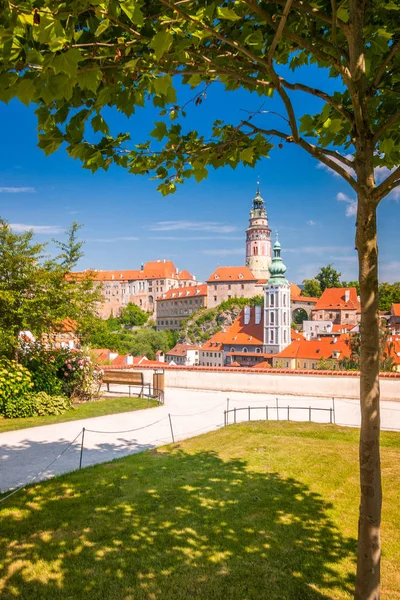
258, 239
277, 320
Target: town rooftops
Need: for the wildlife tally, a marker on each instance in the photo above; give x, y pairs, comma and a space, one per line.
317, 349
190, 291
181, 349
159, 269
231, 274
241, 333
396, 310
338, 299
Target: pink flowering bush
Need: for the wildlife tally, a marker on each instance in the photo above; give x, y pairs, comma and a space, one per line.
81, 378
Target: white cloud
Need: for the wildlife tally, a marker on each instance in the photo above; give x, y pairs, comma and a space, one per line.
311, 222
16, 190
112, 240
224, 252
40, 229
210, 226
390, 271
351, 208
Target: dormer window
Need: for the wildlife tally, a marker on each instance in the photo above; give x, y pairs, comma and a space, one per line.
216, 276
240, 276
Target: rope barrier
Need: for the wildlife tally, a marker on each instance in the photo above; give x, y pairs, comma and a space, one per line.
199, 413
42, 471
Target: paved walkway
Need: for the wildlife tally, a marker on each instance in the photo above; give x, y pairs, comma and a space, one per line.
25, 454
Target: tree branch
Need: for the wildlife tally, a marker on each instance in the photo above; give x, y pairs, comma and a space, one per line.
319, 94
279, 31
381, 71
392, 181
391, 121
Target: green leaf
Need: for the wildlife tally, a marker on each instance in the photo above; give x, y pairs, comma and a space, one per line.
50, 141
67, 62
343, 14
89, 80
161, 43
247, 154
133, 12
160, 130
162, 84
306, 124
227, 13
26, 91
104, 25
99, 124
387, 146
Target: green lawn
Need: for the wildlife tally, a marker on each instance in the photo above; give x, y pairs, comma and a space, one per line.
251, 512
85, 410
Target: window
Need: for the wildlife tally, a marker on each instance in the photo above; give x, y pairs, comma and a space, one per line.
287, 364
284, 299
271, 337
272, 318
346, 315
271, 299
331, 315
215, 287
229, 287
313, 365
229, 296
245, 350
232, 350
162, 322
284, 318
258, 350
242, 286
215, 298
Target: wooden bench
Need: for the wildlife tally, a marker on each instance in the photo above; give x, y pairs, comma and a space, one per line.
129, 378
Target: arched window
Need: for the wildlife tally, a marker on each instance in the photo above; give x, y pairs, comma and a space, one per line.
258, 350
284, 299
245, 349
284, 318
255, 250
284, 336
271, 336
271, 299
232, 350
272, 318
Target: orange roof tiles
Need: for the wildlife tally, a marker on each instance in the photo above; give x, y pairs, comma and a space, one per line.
231, 274
189, 291
396, 310
250, 334
164, 269
334, 299
316, 349
294, 290
184, 274
212, 344
181, 349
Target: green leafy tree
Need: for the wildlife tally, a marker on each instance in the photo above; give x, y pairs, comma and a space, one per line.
386, 351
351, 284
73, 60
71, 250
311, 288
328, 277
35, 292
389, 293
133, 315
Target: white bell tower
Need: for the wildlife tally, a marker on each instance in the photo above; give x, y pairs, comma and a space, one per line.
277, 321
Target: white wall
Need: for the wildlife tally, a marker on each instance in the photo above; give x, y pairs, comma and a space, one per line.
328, 386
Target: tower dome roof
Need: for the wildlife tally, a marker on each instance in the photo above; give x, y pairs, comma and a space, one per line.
277, 268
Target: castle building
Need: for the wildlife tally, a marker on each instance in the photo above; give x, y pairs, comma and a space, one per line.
258, 240
277, 319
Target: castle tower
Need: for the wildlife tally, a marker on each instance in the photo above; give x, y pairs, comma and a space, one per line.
277, 320
258, 240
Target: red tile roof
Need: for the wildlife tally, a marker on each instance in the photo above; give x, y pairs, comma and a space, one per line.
250, 334
334, 299
316, 349
185, 275
189, 291
164, 269
396, 310
181, 349
294, 290
223, 274
213, 344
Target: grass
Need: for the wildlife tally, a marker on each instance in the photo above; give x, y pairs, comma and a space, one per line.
253, 511
85, 410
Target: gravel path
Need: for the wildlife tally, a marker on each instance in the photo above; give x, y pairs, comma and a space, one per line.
25, 454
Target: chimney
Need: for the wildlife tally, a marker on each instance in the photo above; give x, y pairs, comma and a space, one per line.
346, 295
129, 359
165, 260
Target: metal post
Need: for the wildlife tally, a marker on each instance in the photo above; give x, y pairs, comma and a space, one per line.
288, 417
334, 413
277, 410
172, 431
266, 411
330, 415
224, 418
83, 437
227, 404
249, 413
309, 413
234, 415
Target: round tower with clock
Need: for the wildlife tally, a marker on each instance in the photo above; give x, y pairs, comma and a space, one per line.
258, 240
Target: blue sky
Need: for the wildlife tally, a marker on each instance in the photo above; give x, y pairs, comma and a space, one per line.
126, 221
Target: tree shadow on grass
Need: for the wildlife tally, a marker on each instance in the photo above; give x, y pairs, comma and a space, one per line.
172, 526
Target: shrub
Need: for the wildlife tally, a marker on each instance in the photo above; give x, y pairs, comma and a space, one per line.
15, 390
81, 377
50, 405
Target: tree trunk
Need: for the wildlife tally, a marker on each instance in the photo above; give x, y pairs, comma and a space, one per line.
369, 546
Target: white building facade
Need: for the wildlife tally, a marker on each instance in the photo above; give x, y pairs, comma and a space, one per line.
277, 319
